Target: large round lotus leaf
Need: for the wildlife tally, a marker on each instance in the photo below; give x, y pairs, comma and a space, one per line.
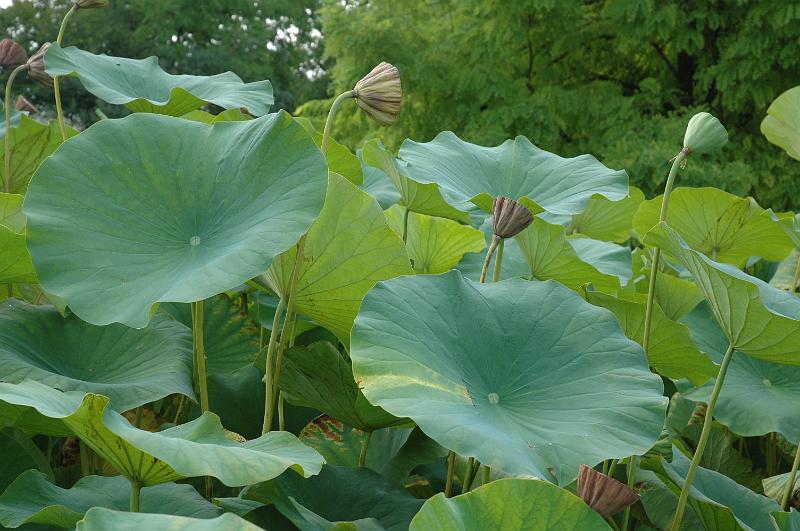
143, 86
526, 377
606, 257
340, 159
608, 220
339, 494
720, 225
787, 521
758, 319
150, 208
348, 249
34, 499
781, 125
757, 397
509, 505
378, 185
197, 448
131, 367
677, 296
101, 519
515, 169
19, 453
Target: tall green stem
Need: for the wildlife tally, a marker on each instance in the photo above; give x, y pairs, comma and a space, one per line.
701, 444
631, 477
787, 492
136, 488
56, 88
451, 467
796, 275
200, 354
489, 252
269, 371
651, 289
326, 134
84, 451
362, 456
498, 262
405, 225
7, 140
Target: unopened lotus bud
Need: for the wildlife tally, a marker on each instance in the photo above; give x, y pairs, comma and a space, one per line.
12, 54
91, 4
605, 495
509, 217
36, 66
704, 134
24, 105
379, 93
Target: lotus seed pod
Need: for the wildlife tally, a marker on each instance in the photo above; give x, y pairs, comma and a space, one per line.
379, 93
26, 106
509, 217
12, 54
704, 134
36, 66
91, 4
605, 495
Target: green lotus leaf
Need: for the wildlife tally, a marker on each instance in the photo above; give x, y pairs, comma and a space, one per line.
143, 86
724, 227
551, 256
197, 448
11, 216
264, 308
31, 498
515, 264
672, 352
319, 377
150, 208
789, 222
339, 494
231, 115
340, 159
515, 169
435, 245
15, 262
348, 249
757, 319
781, 125
676, 296
775, 486
378, 185
20, 454
131, 367
787, 521
101, 519
608, 220
423, 198
16, 116
31, 142
562, 385
608, 258
497, 506
758, 397
718, 501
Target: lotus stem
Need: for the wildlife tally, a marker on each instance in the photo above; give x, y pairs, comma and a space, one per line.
138, 421
611, 468
7, 159
200, 353
472, 470
84, 451
489, 252
651, 289
701, 444
451, 466
498, 261
269, 371
136, 488
362, 456
487, 475
285, 331
180, 408
631, 478
281, 417
405, 225
787, 492
796, 275
56, 88
326, 134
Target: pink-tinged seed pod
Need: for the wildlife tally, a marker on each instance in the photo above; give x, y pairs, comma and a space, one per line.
26, 106
36, 66
12, 54
509, 217
379, 93
605, 495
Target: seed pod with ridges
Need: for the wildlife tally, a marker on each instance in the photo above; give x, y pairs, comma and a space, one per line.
379, 93
91, 4
24, 105
605, 495
36, 66
704, 134
509, 217
12, 54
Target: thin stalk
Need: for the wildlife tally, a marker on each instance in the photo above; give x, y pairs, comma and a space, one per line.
796, 273
487, 475
472, 470
138, 421
451, 466
281, 417
489, 252
200, 354
180, 408
285, 332
611, 468
85, 470
56, 88
271, 347
613, 523
651, 289
631, 476
7, 159
326, 134
787, 493
405, 225
136, 488
701, 445
362, 456
498, 261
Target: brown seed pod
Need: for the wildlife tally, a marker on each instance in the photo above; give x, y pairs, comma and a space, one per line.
24, 105
12, 54
605, 495
379, 93
91, 4
36, 66
509, 217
